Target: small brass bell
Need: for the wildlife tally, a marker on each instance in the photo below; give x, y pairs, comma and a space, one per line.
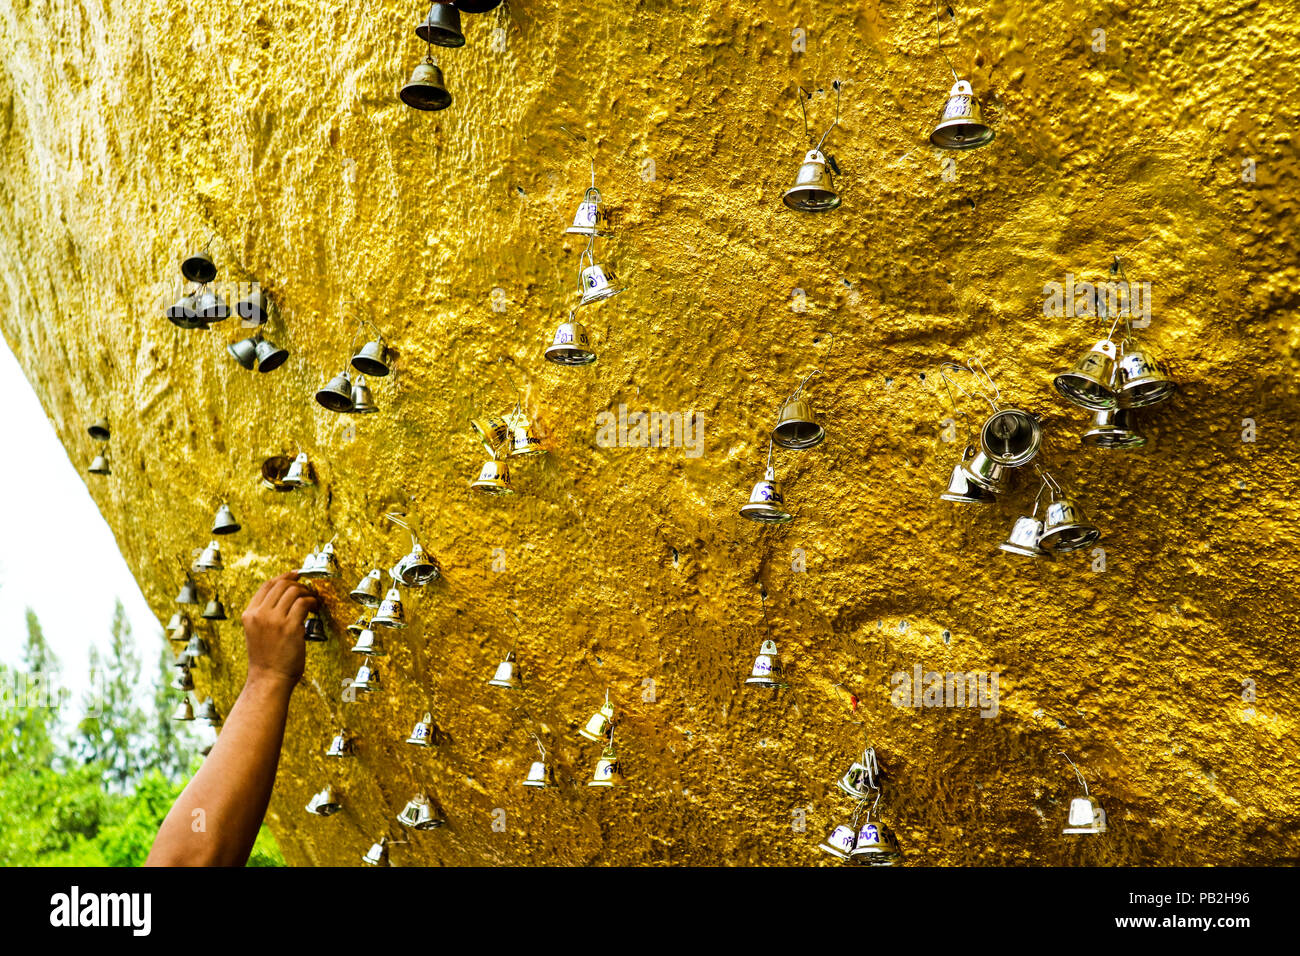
253, 309
181, 630
100, 465
418, 814
795, 427
418, 569
1024, 539
506, 675
183, 680
224, 522
608, 772
199, 267
336, 395
363, 403
377, 855
1065, 528
523, 440
184, 710
1114, 428
590, 219
390, 613
245, 352
766, 503
596, 283
366, 680
962, 489
422, 735
493, 431
442, 26
1140, 378
210, 559
99, 430
1086, 817
766, 671
208, 712
211, 307
426, 89
572, 345
597, 727
196, 648
215, 611
187, 593
961, 123
813, 189
493, 479
1089, 383
313, 628
368, 642
840, 843
299, 473
1011, 437
324, 804
374, 359
185, 314
875, 845
369, 591
269, 356
340, 746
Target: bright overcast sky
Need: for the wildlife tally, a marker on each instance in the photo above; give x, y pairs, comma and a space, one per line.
57, 554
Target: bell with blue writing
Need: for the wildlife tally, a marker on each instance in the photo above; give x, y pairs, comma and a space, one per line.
368, 642
369, 590
590, 219
422, 735
961, 122
418, 569
767, 669
390, 613
1086, 817
875, 845
366, 680
595, 283
506, 674
766, 504
1065, 528
340, 746
324, 803
1024, 539
608, 772
377, 855
840, 843
419, 814
572, 345
597, 727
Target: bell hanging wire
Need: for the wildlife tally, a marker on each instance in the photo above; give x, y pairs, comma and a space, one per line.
938, 40
1077, 772
800, 93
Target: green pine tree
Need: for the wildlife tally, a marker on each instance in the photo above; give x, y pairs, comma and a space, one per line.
113, 731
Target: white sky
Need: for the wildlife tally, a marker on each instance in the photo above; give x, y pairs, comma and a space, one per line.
47, 515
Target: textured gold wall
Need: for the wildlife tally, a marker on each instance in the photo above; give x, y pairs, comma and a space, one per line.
132, 130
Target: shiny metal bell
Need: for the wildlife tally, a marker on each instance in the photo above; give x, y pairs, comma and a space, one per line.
1086, 817
196, 648
766, 503
962, 489
766, 671
336, 394
366, 680
313, 629
184, 660
987, 473
390, 613
99, 430
270, 356
377, 855
506, 675
245, 352
369, 590
590, 219
184, 680
860, 779
1114, 428
340, 746
418, 814
523, 440
329, 563
422, 735
442, 26
961, 122
181, 631
359, 625
1089, 384
572, 345
224, 522
215, 611
253, 309
608, 772
493, 479
299, 473
185, 313
1011, 437
210, 559
324, 804
418, 569
596, 284
795, 427
199, 267
875, 845
426, 89
538, 775
211, 307
374, 359
311, 566
363, 403
1141, 379
174, 623
840, 843
493, 431
813, 189
184, 710
1065, 528
598, 726
1024, 537
187, 594
368, 642
100, 466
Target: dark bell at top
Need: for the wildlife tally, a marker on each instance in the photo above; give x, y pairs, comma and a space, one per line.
199, 267
442, 26
99, 430
426, 89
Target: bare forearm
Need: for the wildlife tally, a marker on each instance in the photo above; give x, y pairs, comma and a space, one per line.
233, 787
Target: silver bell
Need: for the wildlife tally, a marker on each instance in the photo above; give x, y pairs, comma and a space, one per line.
210, 559
418, 814
422, 734
766, 671
369, 590
506, 674
324, 803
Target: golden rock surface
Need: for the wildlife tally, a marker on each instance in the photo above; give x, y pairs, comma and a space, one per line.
133, 131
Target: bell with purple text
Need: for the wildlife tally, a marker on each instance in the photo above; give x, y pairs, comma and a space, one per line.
1089, 384
299, 473
506, 675
1140, 377
1086, 817
363, 403
184, 710
840, 843
324, 803
100, 465
813, 189
313, 628
875, 845
197, 647
1011, 437
1024, 539
418, 814
199, 267
766, 503
422, 735
597, 727
442, 26
366, 680
183, 680
796, 428
377, 855
596, 283
493, 479
368, 642
336, 394
224, 522
590, 219
374, 359
572, 345
1065, 528
208, 712
340, 746
766, 671
961, 122
369, 590
860, 779
608, 772
1114, 428
188, 594
426, 89
215, 611
210, 559
390, 613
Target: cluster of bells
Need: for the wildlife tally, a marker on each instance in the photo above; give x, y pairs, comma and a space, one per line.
868, 841
796, 429
504, 436
599, 728
572, 344
193, 648
282, 473
343, 394
426, 89
99, 432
